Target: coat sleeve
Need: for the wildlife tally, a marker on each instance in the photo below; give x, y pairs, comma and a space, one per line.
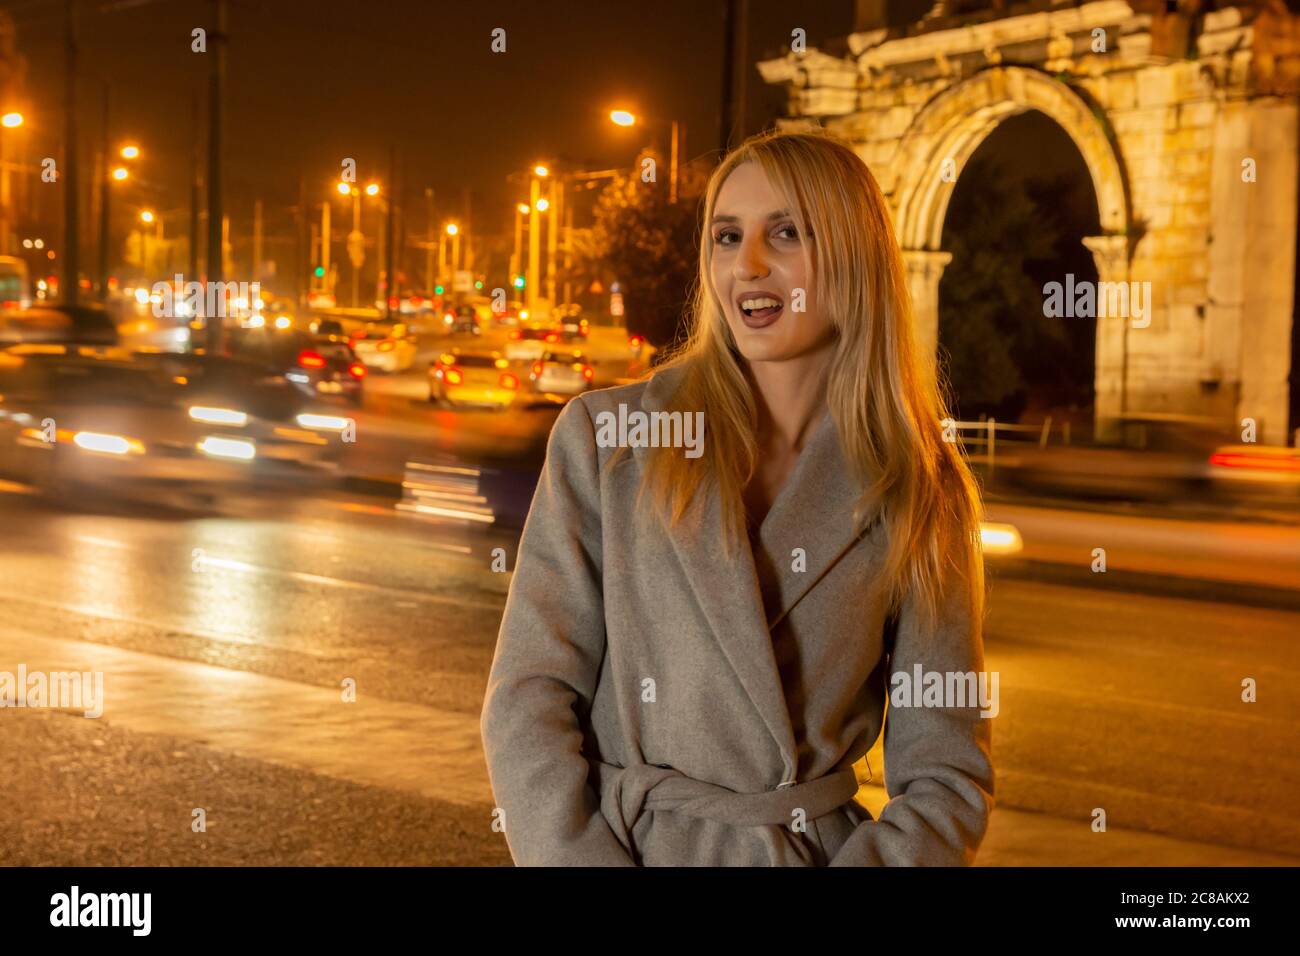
547, 660
938, 760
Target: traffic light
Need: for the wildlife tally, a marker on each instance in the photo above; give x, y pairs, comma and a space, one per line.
519, 282
320, 272
437, 290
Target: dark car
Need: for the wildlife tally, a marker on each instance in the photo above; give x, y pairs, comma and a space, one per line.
462, 318
147, 426
321, 366
82, 325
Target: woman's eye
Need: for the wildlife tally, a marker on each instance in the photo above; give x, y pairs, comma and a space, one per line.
788, 231
727, 237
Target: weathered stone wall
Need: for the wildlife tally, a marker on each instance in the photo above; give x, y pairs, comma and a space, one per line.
1193, 160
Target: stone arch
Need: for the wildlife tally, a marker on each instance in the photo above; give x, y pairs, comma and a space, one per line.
952, 126
954, 123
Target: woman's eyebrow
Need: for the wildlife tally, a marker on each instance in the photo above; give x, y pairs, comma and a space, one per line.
779, 214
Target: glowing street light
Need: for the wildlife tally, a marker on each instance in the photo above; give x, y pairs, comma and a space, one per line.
146, 215
130, 152
622, 118
541, 171
120, 173
372, 189
452, 229
343, 189
543, 205
11, 120
523, 208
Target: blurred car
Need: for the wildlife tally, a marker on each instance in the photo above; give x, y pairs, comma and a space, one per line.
81, 324
572, 323
462, 319
473, 378
562, 373
146, 426
531, 343
1265, 472
1152, 457
321, 366
386, 346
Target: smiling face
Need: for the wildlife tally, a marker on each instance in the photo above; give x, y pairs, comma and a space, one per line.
758, 261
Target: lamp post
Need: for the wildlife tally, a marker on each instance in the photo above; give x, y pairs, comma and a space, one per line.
107, 176
624, 118
10, 120
521, 209
534, 235
453, 230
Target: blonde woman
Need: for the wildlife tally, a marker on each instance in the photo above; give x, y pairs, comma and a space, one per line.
701, 636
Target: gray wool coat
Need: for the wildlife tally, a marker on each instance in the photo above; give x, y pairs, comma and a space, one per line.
653, 703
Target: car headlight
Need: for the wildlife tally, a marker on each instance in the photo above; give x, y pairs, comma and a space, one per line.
107, 444
331, 423
236, 448
218, 416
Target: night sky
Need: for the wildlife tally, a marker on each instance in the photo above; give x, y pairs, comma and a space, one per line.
313, 81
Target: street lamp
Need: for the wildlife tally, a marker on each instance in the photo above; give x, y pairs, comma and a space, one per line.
624, 118
11, 120
130, 152
120, 173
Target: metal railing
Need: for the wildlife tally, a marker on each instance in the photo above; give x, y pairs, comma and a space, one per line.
984, 435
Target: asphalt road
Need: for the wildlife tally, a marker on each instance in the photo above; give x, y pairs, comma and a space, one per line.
225, 639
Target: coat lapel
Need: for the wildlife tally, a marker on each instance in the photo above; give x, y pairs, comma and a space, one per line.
812, 513
727, 590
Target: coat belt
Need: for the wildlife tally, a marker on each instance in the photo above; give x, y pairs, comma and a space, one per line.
626, 792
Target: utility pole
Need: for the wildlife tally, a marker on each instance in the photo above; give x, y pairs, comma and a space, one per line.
101, 176
429, 281
71, 225
195, 198
390, 289
216, 215
257, 240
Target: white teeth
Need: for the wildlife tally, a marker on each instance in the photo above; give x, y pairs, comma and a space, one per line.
749, 305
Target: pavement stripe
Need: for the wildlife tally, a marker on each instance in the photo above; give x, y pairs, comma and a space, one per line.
423, 750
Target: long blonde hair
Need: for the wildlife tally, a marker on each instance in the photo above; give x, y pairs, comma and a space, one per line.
887, 409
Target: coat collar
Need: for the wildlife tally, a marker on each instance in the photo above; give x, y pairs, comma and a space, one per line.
812, 512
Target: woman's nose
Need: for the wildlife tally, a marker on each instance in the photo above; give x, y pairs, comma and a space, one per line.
752, 262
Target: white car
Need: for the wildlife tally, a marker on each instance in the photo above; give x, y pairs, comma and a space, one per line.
385, 347
530, 344
562, 373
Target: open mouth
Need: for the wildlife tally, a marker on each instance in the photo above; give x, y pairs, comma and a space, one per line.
759, 309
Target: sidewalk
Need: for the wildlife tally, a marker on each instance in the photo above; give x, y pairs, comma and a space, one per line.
436, 755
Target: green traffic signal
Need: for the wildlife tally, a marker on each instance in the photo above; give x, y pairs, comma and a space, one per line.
519, 282
320, 272
438, 290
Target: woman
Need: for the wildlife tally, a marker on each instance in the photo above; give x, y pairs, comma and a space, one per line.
697, 639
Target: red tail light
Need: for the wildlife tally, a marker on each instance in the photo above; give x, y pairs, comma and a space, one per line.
588, 372
308, 358
509, 380
1257, 462
634, 340
452, 376
357, 370
537, 368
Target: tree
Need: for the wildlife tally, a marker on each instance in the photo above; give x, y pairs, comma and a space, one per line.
651, 245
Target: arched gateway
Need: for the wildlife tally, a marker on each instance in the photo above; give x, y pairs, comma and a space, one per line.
1191, 142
